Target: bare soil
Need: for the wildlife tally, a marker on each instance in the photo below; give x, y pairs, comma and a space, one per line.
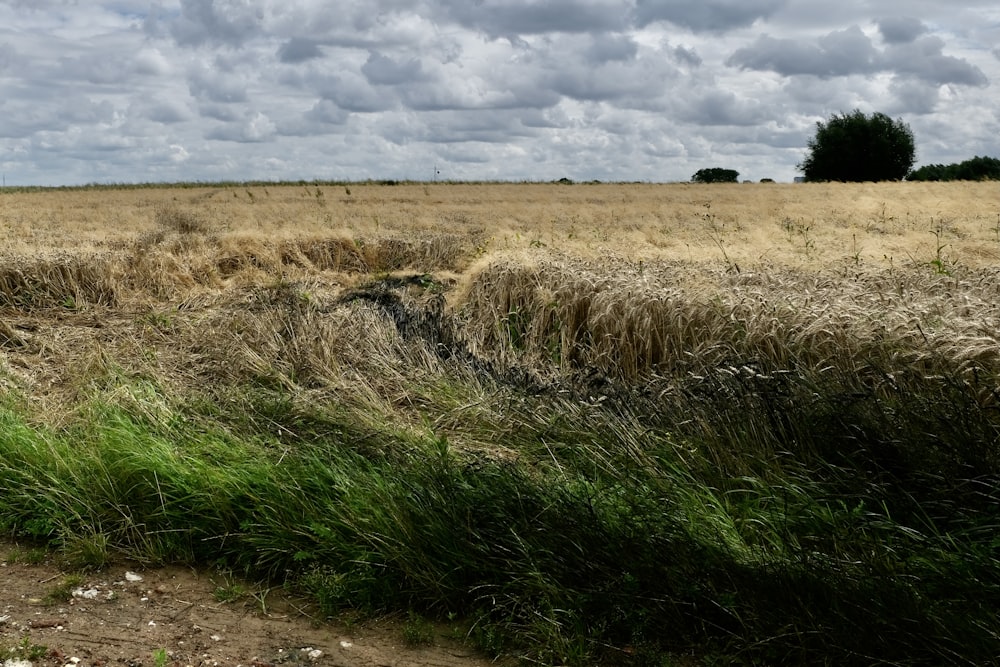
173, 616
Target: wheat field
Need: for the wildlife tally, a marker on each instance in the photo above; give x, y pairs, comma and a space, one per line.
764, 416
805, 225
621, 278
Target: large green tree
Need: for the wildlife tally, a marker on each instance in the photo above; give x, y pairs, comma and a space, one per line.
858, 147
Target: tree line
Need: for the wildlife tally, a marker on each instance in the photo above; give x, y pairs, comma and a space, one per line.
855, 147
975, 169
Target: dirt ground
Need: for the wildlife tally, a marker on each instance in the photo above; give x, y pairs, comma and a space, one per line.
173, 617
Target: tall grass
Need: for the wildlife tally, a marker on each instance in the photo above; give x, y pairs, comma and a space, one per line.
621, 528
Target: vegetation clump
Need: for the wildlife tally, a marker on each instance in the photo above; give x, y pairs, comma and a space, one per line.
857, 147
715, 175
974, 169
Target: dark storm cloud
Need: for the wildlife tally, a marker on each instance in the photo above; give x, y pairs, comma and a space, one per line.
708, 15
298, 50
850, 51
901, 29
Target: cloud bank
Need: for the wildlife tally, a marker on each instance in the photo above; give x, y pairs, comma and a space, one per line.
132, 90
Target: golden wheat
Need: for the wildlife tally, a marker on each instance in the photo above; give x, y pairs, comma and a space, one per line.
233, 285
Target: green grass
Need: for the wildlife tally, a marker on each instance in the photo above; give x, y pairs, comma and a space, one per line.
63, 591
418, 631
24, 650
772, 527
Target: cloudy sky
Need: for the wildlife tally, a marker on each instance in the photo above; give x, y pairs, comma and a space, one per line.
95, 91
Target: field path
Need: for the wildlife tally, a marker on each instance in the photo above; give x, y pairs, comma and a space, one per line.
125, 616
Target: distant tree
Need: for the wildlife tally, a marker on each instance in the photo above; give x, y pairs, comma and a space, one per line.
975, 169
857, 147
716, 175
933, 172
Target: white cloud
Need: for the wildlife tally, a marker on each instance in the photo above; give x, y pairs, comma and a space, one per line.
909, 56
151, 62
626, 89
254, 128
178, 153
839, 53
211, 85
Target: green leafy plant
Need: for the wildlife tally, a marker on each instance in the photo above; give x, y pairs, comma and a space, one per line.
939, 262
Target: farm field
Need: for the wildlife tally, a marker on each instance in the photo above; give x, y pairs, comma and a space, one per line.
597, 423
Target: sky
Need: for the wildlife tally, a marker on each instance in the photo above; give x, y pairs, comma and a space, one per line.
133, 91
